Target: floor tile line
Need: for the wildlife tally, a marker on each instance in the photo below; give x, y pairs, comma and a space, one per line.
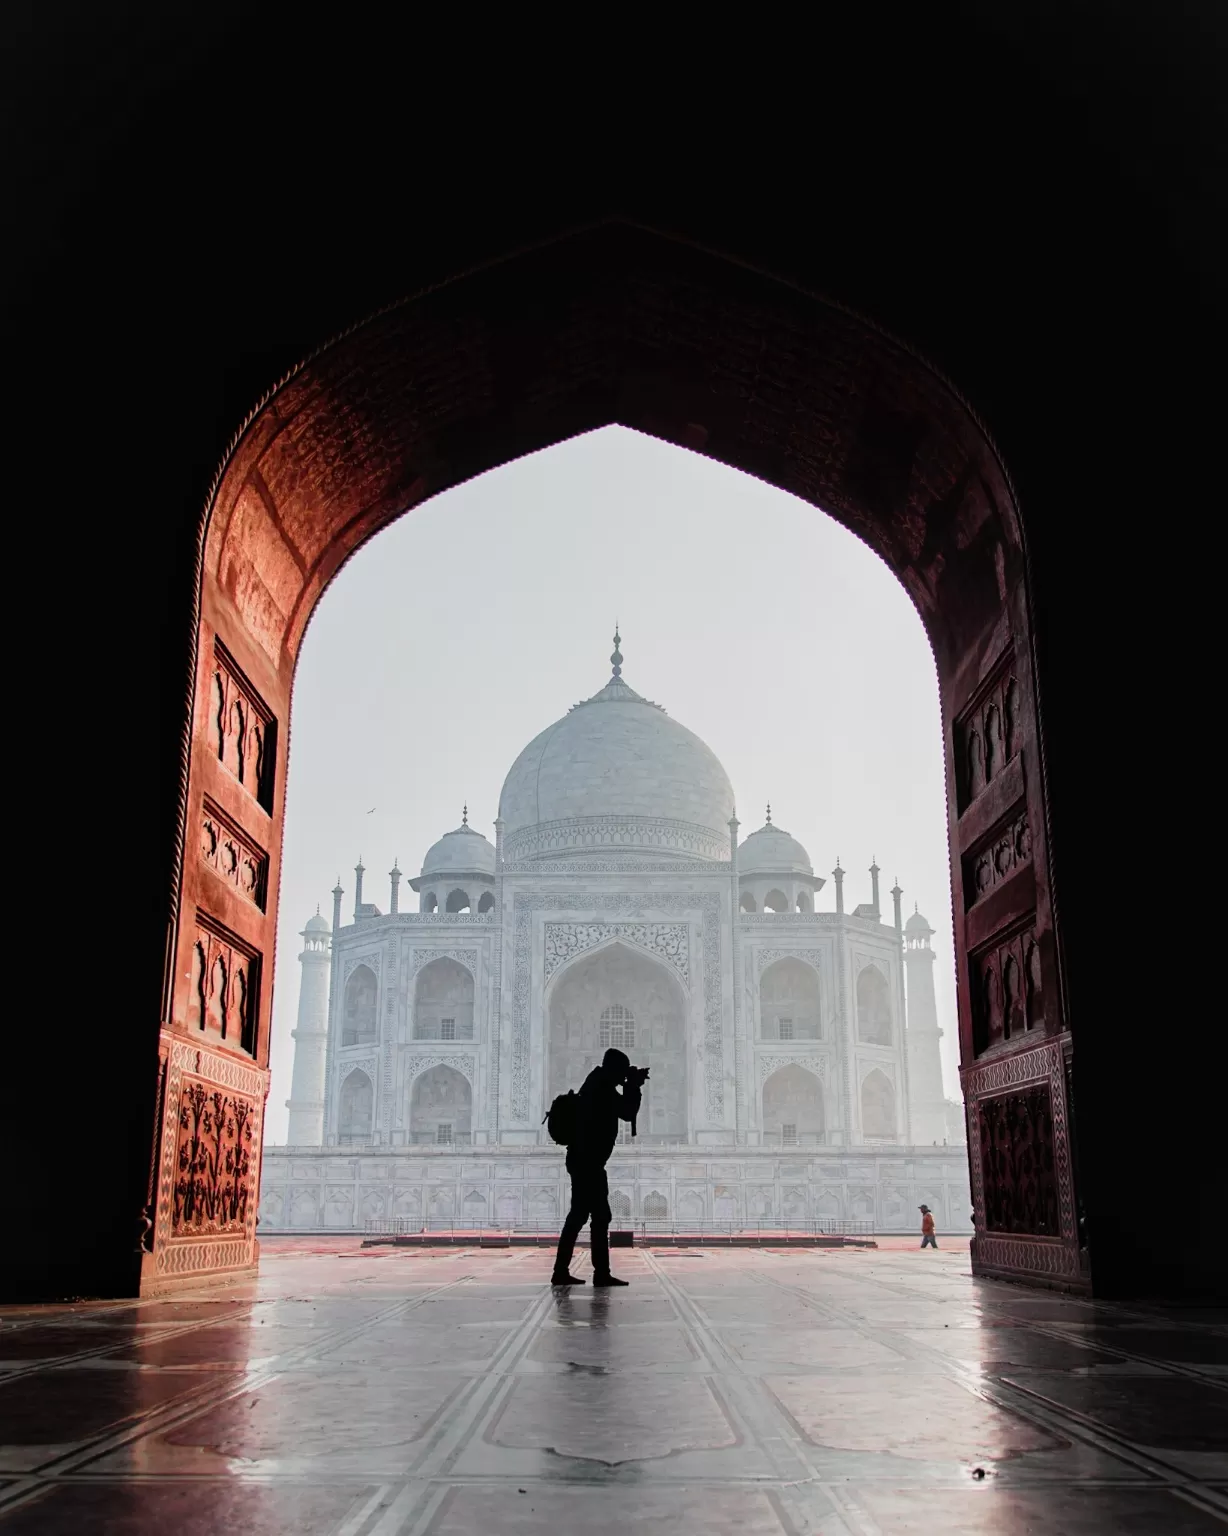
173, 1331
472, 1414
354, 1521
1007, 1396
758, 1412
170, 1415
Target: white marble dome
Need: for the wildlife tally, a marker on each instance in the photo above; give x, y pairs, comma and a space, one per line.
317, 924
917, 927
616, 776
771, 851
462, 851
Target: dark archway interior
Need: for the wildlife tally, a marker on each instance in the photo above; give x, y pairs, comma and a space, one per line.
1029, 211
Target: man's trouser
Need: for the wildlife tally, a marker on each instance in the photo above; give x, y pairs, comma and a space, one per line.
590, 1201
928, 1240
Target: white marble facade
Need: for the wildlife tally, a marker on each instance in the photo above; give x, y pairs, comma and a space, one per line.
618, 907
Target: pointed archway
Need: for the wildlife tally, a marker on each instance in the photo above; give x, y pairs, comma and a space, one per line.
619, 326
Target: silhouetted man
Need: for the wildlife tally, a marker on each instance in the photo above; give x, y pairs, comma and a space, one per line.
602, 1105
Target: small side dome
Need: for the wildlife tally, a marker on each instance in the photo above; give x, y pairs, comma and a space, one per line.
317, 924
917, 927
459, 852
771, 851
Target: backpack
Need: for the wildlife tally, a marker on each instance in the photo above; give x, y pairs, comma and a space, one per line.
562, 1118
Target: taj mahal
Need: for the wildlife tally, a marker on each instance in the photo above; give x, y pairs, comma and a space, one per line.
794, 1052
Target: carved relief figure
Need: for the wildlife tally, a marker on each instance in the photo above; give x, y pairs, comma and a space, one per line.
1035, 987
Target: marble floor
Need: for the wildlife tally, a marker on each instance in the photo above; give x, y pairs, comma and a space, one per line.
365, 1393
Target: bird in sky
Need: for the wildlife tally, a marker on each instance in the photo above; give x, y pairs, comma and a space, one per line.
371, 812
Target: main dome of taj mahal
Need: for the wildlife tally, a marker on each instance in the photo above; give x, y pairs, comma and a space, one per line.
616, 773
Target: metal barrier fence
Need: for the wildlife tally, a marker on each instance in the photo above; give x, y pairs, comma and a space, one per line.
723, 1231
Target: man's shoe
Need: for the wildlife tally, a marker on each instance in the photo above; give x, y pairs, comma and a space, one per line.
609, 1280
565, 1279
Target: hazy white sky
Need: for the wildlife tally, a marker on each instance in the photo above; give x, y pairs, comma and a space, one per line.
459, 633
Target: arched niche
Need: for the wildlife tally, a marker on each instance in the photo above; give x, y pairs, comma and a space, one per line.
355, 1108
359, 1015
621, 987
440, 1107
793, 1112
443, 1001
873, 1007
789, 1005
878, 1114
650, 333
458, 901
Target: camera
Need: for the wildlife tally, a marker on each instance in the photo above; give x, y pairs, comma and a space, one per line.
637, 1075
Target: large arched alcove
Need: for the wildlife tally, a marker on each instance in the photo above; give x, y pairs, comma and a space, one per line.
873, 1006
793, 1109
440, 1107
789, 1006
619, 996
630, 328
443, 1001
359, 1021
356, 1109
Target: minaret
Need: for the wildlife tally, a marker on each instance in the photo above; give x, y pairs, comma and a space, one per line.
310, 1036
837, 875
927, 1099
394, 899
874, 889
338, 893
358, 873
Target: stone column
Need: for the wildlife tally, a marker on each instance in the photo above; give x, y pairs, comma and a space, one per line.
334, 1021
310, 1035
845, 1026
494, 1038
929, 1108
394, 898
741, 1056
901, 1032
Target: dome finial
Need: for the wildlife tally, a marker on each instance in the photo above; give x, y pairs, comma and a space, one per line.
769, 813
617, 656
465, 814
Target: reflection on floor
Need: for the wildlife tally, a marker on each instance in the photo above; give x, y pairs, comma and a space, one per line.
354, 1393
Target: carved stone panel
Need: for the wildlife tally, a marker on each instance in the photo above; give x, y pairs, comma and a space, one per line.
668, 941
232, 854
1008, 992
988, 733
208, 1163
1017, 1162
1007, 848
1022, 1168
224, 998
213, 1160
240, 727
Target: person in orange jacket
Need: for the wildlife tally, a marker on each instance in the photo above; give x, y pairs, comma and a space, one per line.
928, 1240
